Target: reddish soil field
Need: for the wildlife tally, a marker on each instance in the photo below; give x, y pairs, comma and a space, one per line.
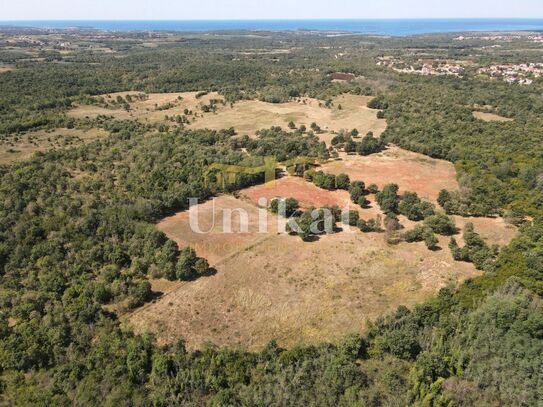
213, 244
342, 76
411, 171
305, 193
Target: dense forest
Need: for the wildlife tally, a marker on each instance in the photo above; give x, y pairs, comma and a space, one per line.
77, 241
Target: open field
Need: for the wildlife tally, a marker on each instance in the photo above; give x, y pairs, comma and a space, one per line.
280, 287
249, 116
147, 110
307, 194
492, 230
491, 117
213, 244
6, 68
411, 171
245, 116
22, 147
274, 286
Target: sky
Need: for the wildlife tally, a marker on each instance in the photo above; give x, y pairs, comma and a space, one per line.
264, 9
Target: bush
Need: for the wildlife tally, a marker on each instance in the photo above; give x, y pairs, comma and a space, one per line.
189, 266
441, 224
373, 189
414, 208
363, 202
325, 181
415, 235
356, 194
369, 226
430, 239
352, 218
378, 102
289, 205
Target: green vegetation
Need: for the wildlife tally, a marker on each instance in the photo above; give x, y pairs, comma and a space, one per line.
388, 199
78, 248
414, 208
288, 206
475, 250
312, 223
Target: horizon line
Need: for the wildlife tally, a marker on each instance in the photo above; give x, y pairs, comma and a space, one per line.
282, 19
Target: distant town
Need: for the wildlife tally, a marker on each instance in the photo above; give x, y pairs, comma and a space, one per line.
523, 74
423, 66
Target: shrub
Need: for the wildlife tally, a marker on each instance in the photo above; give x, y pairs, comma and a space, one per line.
289, 205
441, 224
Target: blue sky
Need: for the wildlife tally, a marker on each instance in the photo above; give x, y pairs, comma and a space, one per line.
264, 9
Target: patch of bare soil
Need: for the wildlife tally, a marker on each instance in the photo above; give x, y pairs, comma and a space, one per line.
307, 194
6, 68
214, 238
491, 117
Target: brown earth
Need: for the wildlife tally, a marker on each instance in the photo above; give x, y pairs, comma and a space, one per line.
213, 244
307, 194
6, 68
342, 76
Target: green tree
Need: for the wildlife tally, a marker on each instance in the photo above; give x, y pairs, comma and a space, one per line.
441, 224
430, 239
388, 198
343, 181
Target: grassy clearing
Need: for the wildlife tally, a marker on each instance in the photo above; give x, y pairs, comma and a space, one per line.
22, 147
280, 287
411, 171
6, 68
491, 117
246, 116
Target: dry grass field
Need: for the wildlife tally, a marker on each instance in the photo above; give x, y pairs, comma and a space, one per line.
279, 287
274, 286
249, 116
213, 244
147, 110
22, 147
411, 171
307, 194
245, 116
491, 117
6, 68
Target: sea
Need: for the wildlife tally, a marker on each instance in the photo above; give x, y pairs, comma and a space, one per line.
397, 27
